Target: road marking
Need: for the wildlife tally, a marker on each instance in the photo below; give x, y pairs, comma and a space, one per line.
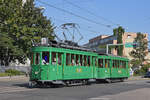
99, 98
13, 89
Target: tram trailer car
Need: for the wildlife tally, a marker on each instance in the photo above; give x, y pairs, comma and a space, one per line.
51, 65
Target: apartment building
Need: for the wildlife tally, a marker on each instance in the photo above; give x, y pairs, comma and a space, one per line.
127, 38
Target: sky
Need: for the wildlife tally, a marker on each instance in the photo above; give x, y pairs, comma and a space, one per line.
132, 15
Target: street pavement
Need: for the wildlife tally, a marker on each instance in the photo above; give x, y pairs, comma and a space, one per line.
132, 89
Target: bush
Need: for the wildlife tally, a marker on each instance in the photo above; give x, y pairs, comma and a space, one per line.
137, 73
13, 72
142, 71
4, 74
145, 68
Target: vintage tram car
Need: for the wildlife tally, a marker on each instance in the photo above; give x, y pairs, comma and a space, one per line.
64, 64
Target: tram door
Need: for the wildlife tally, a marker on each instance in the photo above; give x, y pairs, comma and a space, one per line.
107, 70
60, 64
114, 68
57, 65
36, 66
45, 65
94, 69
103, 68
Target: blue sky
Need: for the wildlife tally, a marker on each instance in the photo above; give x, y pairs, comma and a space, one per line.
133, 15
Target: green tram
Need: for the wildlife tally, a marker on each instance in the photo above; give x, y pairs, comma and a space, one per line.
52, 65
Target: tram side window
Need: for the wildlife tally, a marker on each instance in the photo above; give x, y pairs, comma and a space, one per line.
100, 63
106, 63
77, 60
124, 64
85, 60
45, 57
89, 63
32, 58
53, 58
93, 61
114, 63
68, 59
73, 60
118, 64
59, 58
37, 58
96, 63
81, 60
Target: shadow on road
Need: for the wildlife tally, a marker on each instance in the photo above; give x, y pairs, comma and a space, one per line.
25, 85
148, 82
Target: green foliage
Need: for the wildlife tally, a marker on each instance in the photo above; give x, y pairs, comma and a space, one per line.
139, 51
13, 72
142, 71
102, 46
135, 63
119, 32
4, 74
145, 68
19, 24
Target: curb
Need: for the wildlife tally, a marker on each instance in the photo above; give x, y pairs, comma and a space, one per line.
137, 78
8, 78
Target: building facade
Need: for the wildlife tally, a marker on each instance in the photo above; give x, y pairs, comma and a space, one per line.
99, 43
128, 40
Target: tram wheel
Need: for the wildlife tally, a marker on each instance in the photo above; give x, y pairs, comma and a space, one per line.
30, 84
109, 80
122, 79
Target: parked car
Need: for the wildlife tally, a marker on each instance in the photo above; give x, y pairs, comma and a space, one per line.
147, 75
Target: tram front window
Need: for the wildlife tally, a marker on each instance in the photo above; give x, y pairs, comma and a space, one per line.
45, 58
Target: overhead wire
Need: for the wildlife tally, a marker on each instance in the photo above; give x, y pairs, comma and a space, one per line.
73, 14
81, 27
98, 16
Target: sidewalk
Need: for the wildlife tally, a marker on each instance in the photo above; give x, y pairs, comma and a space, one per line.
23, 77
137, 78
8, 78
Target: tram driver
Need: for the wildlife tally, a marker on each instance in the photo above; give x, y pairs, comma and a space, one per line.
45, 60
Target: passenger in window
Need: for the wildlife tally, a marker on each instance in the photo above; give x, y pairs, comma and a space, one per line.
54, 61
43, 62
101, 65
78, 63
73, 62
106, 65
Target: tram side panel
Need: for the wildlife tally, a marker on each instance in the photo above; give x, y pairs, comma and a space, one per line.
77, 66
104, 65
119, 69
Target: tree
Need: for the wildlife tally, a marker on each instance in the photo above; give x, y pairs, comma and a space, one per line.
19, 24
140, 49
119, 33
